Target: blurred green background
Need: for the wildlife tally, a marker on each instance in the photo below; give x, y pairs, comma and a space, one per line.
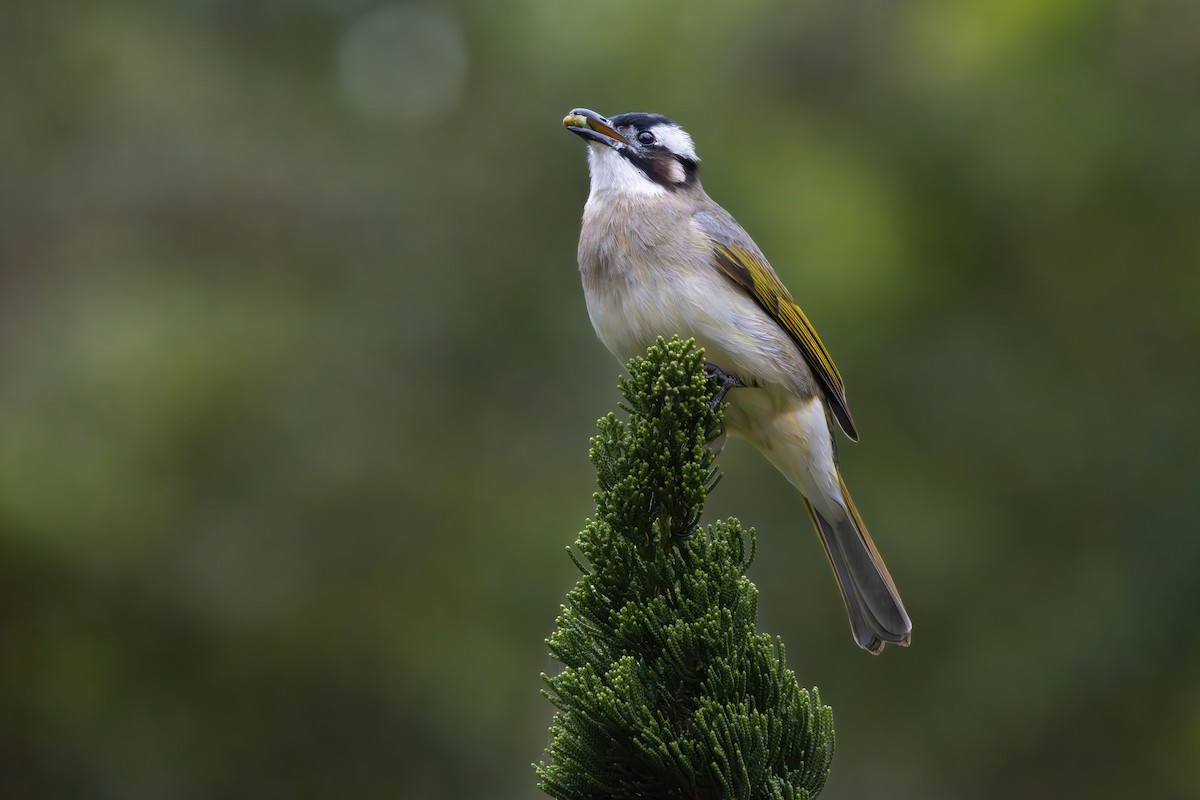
296, 380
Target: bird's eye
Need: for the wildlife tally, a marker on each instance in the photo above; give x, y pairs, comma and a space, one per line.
646, 137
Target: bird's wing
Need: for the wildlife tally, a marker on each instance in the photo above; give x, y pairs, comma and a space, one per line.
738, 257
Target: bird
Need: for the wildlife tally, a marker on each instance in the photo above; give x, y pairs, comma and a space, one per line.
658, 257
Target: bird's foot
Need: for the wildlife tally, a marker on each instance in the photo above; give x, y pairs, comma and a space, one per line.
724, 382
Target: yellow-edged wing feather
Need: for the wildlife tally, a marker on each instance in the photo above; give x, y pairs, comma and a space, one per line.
750, 270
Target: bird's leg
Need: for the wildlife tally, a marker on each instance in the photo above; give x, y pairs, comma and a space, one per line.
724, 382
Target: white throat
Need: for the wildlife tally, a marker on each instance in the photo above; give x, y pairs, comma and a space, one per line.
612, 173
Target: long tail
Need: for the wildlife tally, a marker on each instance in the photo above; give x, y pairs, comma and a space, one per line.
877, 615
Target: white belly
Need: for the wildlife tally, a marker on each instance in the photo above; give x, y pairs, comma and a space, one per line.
787, 425
736, 334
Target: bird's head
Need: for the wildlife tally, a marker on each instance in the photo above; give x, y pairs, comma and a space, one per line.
636, 153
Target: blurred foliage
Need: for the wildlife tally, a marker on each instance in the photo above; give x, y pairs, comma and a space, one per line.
296, 379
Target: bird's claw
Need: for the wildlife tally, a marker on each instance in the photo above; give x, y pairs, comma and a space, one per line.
724, 382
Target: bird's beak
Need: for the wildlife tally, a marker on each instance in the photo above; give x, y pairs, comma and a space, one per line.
594, 128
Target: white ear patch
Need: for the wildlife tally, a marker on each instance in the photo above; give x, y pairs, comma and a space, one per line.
676, 140
675, 172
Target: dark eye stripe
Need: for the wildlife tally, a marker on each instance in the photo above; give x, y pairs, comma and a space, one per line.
662, 166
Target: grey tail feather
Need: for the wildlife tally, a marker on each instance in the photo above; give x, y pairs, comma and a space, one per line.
877, 616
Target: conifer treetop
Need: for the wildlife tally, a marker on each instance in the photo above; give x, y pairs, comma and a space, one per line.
667, 689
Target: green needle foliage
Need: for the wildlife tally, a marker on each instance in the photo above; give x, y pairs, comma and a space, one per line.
667, 690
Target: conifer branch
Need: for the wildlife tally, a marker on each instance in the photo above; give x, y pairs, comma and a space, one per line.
667, 689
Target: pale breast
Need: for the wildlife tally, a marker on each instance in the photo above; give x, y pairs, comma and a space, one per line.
647, 272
